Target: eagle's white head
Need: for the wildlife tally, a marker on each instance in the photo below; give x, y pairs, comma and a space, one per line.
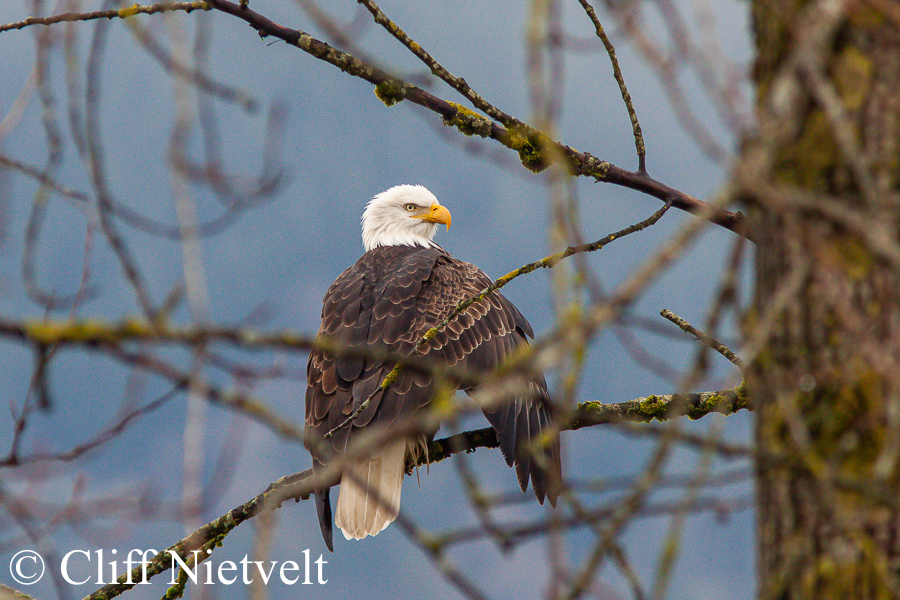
404, 215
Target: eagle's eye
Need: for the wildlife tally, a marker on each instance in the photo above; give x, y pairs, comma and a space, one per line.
411, 207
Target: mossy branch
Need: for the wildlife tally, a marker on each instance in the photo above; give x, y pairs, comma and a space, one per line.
706, 339
101, 333
207, 537
589, 414
535, 149
457, 83
7, 593
301, 485
118, 13
115, 338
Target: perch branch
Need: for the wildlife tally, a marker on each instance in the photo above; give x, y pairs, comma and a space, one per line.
301, 485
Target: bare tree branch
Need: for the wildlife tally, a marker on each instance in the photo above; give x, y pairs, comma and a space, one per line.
529, 143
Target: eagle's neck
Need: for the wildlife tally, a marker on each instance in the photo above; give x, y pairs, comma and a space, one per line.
383, 234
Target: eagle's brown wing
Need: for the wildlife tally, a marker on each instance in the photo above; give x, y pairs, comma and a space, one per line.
384, 304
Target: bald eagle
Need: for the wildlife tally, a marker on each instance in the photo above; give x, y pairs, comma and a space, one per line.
400, 288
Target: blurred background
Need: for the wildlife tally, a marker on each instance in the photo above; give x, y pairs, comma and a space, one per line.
292, 175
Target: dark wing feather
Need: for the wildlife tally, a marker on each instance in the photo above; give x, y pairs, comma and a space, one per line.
490, 331
387, 301
371, 306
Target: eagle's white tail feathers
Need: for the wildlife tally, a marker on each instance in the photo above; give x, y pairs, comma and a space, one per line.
361, 512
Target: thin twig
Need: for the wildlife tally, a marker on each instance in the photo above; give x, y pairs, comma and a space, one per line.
108, 434
96, 168
170, 61
120, 13
548, 262
706, 339
620, 79
530, 144
457, 83
43, 177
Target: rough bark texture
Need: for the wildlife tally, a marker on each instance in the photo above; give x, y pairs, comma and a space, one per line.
821, 182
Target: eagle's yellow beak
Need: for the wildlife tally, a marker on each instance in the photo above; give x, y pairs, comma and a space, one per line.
437, 214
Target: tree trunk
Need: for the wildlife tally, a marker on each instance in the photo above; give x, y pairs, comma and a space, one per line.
821, 183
